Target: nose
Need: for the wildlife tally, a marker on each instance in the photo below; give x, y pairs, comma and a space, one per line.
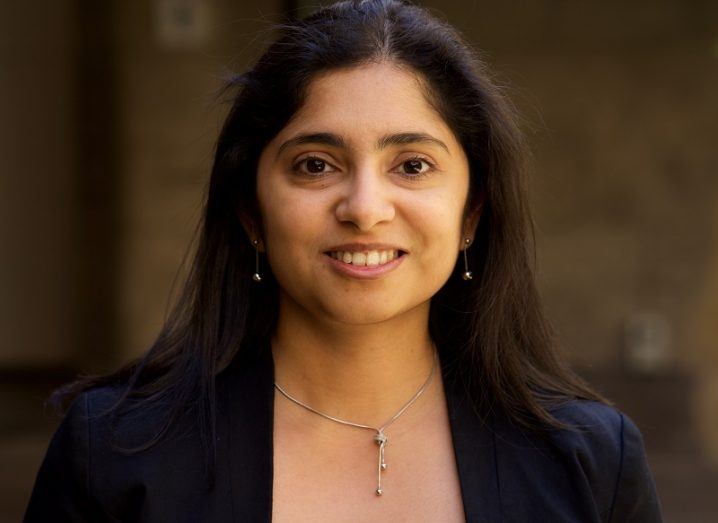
366, 200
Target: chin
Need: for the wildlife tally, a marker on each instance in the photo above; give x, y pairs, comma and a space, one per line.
361, 317
363, 314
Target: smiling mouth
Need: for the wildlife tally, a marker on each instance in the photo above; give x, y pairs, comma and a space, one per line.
374, 258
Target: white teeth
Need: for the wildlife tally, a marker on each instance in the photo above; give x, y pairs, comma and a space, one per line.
368, 258
359, 258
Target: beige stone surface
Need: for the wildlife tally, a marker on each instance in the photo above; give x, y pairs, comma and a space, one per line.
621, 109
704, 338
170, 118
37, 185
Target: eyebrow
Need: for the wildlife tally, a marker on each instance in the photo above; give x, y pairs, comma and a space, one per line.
385, 141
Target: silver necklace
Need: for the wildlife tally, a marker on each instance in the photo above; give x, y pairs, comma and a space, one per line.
380, 438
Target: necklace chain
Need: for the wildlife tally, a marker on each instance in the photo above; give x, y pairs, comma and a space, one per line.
379, 438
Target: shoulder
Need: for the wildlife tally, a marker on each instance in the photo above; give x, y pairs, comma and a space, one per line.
94, 469
76, 431
592, 426
63, 487
598, 435
606, 449
595, 470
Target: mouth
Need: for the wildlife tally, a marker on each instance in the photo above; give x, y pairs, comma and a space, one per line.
368, 258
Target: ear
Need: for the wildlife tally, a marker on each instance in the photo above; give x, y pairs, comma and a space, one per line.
471, 222
251, 227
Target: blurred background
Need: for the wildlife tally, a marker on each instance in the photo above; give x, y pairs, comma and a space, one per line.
108, 114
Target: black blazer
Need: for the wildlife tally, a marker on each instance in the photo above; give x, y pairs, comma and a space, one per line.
598, 475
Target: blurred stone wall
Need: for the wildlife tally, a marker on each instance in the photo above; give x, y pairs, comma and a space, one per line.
621, 107
170, 115
37, 184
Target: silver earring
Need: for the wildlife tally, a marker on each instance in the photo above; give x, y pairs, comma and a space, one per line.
256, 276
468, 275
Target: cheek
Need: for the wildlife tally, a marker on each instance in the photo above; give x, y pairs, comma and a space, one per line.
441, 221
447, 231
278, 217
291, 227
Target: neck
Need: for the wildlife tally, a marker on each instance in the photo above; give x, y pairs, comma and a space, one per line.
358, 373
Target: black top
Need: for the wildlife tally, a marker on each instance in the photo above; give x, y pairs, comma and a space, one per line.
597, 475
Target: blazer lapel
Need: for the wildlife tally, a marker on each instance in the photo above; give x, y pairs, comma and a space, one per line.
248, 423
475, 451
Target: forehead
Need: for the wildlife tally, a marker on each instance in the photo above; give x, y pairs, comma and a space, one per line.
366, 101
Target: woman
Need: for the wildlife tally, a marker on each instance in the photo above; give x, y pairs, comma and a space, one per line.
360, 337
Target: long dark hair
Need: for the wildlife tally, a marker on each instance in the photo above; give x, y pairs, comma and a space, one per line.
491, 331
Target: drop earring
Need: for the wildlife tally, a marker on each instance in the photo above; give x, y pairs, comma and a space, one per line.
468, 275
256, 276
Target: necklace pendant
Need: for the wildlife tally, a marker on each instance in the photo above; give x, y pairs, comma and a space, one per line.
380, 439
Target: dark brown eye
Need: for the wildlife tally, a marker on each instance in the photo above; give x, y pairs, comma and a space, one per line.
413, 166
312, 166
416, 167
315, 165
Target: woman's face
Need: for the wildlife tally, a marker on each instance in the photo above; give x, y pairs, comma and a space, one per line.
361, 198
